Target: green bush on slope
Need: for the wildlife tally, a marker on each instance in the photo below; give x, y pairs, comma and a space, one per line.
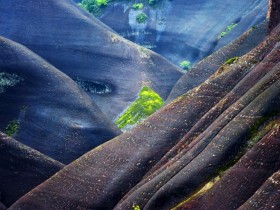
186, 65
231, 60
141, 18
93, 6
12, 128
138, 6
229, 28
146, 104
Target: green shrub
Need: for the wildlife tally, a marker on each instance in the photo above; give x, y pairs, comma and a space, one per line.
12, 128
136, 207
138, 6
93, 6
229, 28
101, 3
146, 104
186, 65
141, 18
231, 60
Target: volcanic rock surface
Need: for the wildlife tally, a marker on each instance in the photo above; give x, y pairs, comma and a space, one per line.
21, 169
175, 152
46, 110
185, 30
111, 69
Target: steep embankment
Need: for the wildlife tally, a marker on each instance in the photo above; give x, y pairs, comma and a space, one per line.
111, 69
44, 109
175, 152
21, 169
184, 30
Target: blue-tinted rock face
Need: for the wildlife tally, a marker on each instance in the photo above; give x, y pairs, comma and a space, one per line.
274, 14
22, 168
82, 47
185, 29
46, 110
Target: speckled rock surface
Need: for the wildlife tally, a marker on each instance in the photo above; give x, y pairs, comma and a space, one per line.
175, 152
185, 30
111, 69
21, 169
54, 115
246, 176
208, 66
267, 197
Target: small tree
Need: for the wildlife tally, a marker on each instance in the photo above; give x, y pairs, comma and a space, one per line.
137, 6
101, 3
141, 18
186, 65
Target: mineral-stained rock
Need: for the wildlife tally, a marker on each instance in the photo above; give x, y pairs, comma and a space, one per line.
21, 169
176, 151
111, 69
204, 69
185, 30
246, 176
267, 197
44, 109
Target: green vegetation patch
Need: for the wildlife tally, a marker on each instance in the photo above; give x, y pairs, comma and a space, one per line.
94, 6
146, 104
231, 61
229, 28
138, 6
97, 7
186, 65
141, 18
12, 128
135, 207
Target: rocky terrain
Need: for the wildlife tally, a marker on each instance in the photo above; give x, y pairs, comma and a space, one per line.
214, 145
183, 30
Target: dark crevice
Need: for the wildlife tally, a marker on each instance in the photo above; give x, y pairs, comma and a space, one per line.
94, 87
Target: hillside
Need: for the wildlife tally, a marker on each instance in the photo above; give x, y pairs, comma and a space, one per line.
87, 50
208, 139
46, 110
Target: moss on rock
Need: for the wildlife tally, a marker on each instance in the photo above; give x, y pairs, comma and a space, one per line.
146, 104
231, 61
